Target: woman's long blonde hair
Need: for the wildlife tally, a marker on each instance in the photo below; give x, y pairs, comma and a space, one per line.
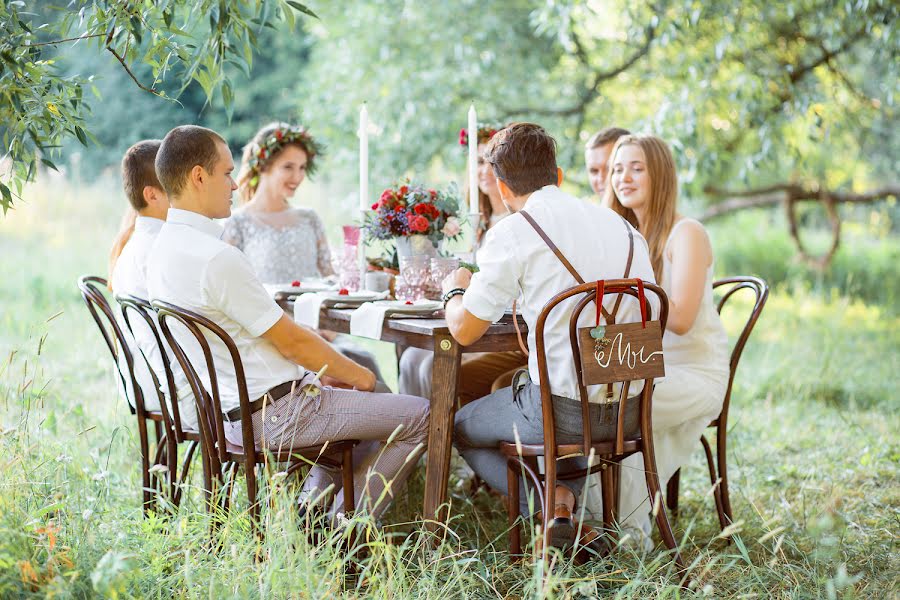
663, 195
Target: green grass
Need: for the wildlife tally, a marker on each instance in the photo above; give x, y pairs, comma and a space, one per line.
814, 466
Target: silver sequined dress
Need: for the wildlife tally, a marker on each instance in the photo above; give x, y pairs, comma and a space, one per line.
282, 246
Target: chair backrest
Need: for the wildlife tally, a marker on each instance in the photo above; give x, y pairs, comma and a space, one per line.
588, 293
208, 402
170, 410
760, 291
94, 298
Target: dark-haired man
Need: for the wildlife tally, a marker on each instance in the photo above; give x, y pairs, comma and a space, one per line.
193, 268
515, 261
596, 156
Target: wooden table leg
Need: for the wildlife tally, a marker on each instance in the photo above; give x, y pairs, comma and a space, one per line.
444, 381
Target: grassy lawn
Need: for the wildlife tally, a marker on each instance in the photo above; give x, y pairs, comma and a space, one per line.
814, 459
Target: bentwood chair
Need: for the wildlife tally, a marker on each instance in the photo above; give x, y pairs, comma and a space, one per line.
718, 477
221, 456
91, 292
171, 412
521, 458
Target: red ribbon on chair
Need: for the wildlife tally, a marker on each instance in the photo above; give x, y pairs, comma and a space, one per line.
598, 299
642, 300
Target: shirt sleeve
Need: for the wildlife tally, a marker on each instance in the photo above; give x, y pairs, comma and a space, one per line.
232, 233
496, 284
232, 287
323, 262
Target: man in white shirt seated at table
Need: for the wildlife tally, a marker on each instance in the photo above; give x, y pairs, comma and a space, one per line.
191, 267
515, 261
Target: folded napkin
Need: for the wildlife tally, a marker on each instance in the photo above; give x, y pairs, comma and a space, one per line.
307, 309
368, 319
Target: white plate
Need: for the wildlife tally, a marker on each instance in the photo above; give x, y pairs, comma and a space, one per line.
304, 287
399, 306
360, 296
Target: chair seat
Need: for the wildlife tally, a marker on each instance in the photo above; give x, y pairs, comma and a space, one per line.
562, 450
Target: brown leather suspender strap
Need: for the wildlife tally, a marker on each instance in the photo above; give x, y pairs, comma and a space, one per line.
610, 317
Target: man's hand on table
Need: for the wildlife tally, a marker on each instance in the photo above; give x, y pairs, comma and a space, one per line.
460, 278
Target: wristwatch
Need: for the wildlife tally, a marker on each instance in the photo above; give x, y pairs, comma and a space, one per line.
454, 292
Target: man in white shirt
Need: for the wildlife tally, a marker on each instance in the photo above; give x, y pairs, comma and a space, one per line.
191, 267
516, 262
129, 277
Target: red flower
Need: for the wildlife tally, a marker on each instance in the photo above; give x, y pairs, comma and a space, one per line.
375, 206
295, 283
435, 213
386, 195
419, 224
432, 193
403, 190
278, 135
420, 208
343, 292
408, 302
463, 137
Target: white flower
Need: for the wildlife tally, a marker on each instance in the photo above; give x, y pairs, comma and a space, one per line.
451, 228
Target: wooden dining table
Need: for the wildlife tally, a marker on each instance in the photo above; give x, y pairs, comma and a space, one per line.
433, 334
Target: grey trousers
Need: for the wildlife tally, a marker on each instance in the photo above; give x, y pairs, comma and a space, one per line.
481, 425
392, 429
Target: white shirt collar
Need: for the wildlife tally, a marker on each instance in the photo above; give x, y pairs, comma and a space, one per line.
178, 216
537, 195
150, 225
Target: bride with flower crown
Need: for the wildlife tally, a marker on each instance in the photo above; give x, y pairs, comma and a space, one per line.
283, 242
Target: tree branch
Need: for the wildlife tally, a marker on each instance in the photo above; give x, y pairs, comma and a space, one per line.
74, 39
130, 73
788, 192
593, 90
827, 55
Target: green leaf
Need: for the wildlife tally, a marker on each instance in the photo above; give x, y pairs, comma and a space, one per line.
7, 196
79, 133
289, 17
49, 163
302, 9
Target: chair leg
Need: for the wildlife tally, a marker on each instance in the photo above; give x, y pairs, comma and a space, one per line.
172, 475
662, 518
512, 507
549, 504
185, 470
143, 438
610, 499
347, 477
672, 493
714, 481
250, 475
721, 446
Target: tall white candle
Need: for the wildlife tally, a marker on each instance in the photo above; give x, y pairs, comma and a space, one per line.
473, 160
363, 159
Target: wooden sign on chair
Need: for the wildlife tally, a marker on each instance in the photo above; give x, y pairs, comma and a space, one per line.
625, 352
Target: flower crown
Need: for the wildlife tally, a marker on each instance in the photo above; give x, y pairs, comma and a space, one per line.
485, 132
278, 139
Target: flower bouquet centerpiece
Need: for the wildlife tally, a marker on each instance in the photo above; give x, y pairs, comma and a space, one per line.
417, 218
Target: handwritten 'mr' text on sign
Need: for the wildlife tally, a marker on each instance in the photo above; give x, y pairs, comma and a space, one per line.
630, 352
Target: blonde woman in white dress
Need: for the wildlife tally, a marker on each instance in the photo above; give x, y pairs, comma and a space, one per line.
643, 188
